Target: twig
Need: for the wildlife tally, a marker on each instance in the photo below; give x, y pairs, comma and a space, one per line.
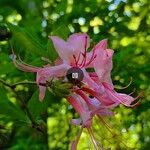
23, 104
15, 84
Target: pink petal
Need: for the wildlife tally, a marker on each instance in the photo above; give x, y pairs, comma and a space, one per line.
103, 98
76, 121
63, 48
103, 62
42, 90
104, 112
47, 73
102, 44
83, 112
125, 99
88, 80
79, 41
119, 97
58, 61
75, 44
74, 145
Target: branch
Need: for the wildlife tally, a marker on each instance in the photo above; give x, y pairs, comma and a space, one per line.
15, 84
35, 125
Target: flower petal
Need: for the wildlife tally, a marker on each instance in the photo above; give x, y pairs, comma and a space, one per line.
63, 48
79, 41
103, 62
81, 109
102, 44
119, 97
42, 90
76, 121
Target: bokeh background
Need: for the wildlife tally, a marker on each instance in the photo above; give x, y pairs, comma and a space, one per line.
26, 123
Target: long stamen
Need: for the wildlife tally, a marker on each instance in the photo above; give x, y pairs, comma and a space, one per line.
76, 63
136, 103
92, 57
75, 142
122, 88
84, 54
78, 58
107, 126
22, 62
93, 138
83, 59
132, 91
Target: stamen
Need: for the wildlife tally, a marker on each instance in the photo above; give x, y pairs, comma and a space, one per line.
75, 60
93, 138
109, 128
78, 58
75, 142
84, 62
122, 88
80, 65
132, 91
84, 54
133, 104
22, 62
92, 57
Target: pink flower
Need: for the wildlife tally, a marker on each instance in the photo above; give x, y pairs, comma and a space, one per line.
72, 54
87, 109
103, 66
98, 84
43, 74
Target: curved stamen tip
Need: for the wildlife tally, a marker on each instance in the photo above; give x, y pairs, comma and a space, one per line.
137, 100
132, 91
122, 88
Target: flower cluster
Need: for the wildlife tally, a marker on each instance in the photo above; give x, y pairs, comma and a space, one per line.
95, 95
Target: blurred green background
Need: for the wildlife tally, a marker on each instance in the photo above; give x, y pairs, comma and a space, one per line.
26, 123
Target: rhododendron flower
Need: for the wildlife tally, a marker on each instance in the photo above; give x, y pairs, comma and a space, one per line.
95, 96
103, 66
72, 54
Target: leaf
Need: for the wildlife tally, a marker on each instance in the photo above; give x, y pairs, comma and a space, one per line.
8, 108
5, 63
23, 40
37, 107
61, 31
51, 51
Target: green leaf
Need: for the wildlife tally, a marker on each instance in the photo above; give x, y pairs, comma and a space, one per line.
51, 51
8, 108
5, 63
37, 107
23, 40
61, 31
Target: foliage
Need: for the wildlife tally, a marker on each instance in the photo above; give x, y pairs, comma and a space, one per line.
26, 123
